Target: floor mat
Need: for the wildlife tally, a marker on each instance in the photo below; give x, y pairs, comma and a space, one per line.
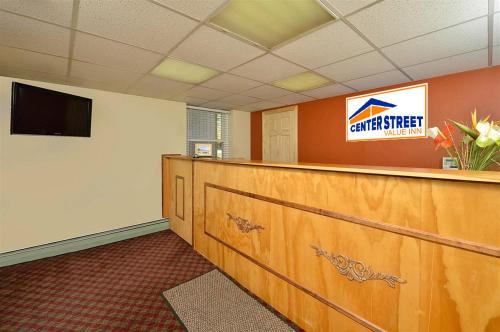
212, 302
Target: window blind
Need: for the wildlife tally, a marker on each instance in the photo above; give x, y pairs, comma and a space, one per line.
209, 127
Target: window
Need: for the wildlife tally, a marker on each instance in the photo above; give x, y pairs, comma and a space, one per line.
207, 131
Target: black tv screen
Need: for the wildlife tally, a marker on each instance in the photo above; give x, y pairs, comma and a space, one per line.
37, 111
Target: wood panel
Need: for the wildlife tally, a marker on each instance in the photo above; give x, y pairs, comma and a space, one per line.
446, 286
180, 195
165, 186
416, 204
291, 261
181, 191
424, 173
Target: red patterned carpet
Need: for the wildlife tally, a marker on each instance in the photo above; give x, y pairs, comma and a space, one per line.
115, 287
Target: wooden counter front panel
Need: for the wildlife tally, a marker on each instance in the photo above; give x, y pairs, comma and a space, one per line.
240, 222
180, 195
165, 188
283, 241
446, 289
284, 246
447, 208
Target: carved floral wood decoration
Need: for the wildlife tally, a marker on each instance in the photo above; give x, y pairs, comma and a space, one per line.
356, 270
244, 225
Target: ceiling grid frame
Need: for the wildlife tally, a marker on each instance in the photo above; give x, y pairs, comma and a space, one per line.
266, 50
199, 24
356, 30
74, 21
75, 29
206, 22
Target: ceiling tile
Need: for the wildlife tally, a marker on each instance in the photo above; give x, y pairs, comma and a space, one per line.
22, 32
390, 22
114, 54
27, 60
348, 6
496, 55
363, 65
237, 100
205, 93
55, 11
329, 91
332, 43
199, 9
215, 49
134, 22
218, 105
261, 105
459, 39
496, 29
378, 80
98, 85
156, 87
32, 75
190, 100
266, 92
294, 98
231, 83
454, 64
100, 77
259, 69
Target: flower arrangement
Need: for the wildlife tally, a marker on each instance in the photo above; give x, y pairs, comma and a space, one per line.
478, 149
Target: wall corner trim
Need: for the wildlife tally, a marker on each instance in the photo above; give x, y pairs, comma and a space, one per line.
81, 243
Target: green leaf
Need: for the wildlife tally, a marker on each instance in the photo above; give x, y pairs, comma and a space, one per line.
471, 132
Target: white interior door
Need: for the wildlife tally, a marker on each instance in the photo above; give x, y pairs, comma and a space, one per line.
279, 134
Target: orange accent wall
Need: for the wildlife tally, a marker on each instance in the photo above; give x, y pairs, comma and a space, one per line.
256, 135
321, 123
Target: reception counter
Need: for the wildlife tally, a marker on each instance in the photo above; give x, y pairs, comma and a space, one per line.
347, 248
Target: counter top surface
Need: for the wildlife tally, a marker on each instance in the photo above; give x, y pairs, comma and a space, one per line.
430, 173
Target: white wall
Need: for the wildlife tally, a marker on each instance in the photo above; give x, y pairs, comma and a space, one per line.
54, 188
240, 134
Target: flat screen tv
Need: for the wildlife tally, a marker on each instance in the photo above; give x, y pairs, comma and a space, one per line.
37, 111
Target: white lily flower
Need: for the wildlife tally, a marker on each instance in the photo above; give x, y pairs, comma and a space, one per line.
483, 127
495, 134
433, 132
489, 134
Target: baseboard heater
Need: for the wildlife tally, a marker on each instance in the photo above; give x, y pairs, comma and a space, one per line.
81, 242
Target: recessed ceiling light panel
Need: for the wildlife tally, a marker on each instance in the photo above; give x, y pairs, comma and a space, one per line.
183, 71
302, 82
271, 22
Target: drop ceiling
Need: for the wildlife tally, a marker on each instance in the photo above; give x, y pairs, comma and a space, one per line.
116, 45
